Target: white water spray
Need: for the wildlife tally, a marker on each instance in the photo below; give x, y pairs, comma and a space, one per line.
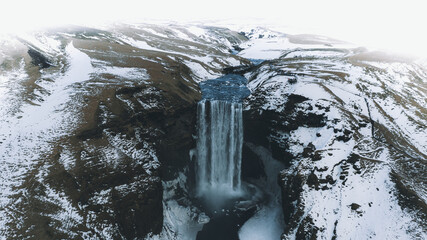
219, 147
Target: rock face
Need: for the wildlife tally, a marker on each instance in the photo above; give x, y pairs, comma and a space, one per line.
116, 110
97, 127
346, 126
38, 58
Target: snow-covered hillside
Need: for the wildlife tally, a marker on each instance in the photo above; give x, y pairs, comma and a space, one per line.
84, 113
98, 126
351, 124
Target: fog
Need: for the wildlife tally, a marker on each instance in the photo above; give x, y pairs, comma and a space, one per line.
392, 25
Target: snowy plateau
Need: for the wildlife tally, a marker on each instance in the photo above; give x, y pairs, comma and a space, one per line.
99, 135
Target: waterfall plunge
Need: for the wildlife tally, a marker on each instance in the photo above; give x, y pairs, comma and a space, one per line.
219, 147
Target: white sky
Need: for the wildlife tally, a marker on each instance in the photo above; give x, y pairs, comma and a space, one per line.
397, 25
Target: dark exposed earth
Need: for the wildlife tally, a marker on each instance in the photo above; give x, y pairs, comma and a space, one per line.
98, 126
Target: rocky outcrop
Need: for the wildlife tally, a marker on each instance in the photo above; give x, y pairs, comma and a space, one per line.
304, 112
132, 122
262, 126
349, 131
38, 59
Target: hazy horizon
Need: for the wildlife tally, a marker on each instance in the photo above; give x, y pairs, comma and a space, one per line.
391, 25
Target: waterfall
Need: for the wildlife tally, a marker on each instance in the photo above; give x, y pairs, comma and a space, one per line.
219, 147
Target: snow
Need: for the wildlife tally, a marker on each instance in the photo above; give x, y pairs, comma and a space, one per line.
264, 49
306, 135
373, 190
180, 34
267, 223
313, 53
142, 45
67, 159
146, 155
9, 87
179, 222
327, 78
200, 72
312, 90
268, 48
199, 32
139, 74
379, 209
27, 135
153, 31
68, 215
264, 225
43, 42
394, 91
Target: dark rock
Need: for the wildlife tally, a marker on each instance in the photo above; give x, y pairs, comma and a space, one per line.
313, 180
327, 180
308, 151
252, 166
242, 69
291, 185
294, 99
353, 158
335, 121
178, 140
316, 156
279, 152
408, 199
354, 206
135, 203
292, 80
307, 229
330, 179
362, 124
237, 48
321, 169
347, 134
95, 132
313, 120
38, 59
256, 127
334, 233
343, 138
139, 209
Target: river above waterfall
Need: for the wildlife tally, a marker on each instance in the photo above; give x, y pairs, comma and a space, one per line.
230, 88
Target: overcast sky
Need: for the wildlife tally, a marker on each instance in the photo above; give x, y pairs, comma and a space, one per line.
399, 25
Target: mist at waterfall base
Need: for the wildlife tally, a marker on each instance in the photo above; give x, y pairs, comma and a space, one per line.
238, 209
220, 140
219, 150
